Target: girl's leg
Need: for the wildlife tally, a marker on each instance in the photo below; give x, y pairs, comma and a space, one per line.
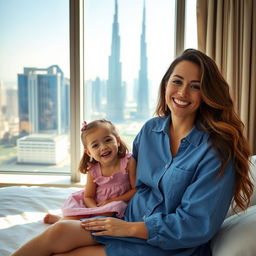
61, 237
51, 218
98, 250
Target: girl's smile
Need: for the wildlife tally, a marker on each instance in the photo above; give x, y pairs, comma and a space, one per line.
102, 145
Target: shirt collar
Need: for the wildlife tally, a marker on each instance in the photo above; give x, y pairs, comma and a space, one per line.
196, 136
163, 125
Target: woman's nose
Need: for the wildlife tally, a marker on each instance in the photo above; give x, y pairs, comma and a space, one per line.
183, 90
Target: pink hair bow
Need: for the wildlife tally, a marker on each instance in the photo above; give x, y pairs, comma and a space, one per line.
84, 126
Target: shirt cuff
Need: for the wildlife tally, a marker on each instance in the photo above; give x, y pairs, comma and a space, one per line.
151, 223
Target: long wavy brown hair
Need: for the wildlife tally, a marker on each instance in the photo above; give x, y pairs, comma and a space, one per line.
217, 117
85, 160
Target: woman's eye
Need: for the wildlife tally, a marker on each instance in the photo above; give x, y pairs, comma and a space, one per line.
195, 86
177, 82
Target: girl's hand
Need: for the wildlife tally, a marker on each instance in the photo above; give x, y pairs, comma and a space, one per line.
103, 203
107, 227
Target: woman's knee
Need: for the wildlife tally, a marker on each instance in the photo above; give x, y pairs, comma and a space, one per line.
55, 230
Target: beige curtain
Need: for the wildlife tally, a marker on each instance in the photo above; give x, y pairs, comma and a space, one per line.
227, 33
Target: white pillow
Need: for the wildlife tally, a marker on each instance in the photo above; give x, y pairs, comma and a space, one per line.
237, 236
253, 172
253, 178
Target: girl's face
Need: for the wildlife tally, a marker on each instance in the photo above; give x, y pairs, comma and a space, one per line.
182, 95
102, 145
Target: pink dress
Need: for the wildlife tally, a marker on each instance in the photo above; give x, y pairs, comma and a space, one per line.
107, 188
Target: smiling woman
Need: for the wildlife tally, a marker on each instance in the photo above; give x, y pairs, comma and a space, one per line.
183, 96
198, 177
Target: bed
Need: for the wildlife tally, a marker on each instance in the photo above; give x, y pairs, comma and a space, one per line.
22, 209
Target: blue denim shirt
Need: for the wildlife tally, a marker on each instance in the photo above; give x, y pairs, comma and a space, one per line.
181, 199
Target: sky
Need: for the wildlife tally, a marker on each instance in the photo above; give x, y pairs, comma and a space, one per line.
35, 33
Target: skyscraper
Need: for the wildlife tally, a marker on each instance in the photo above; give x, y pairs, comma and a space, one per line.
96, 95
143, 95
43, 99
115, 91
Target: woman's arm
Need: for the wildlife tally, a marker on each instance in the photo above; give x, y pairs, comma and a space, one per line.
90, 191
131, 169
116, 227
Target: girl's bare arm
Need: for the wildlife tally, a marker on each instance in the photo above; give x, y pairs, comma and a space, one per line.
90, 191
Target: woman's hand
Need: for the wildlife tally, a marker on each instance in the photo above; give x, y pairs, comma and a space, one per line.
115, 227
107, 226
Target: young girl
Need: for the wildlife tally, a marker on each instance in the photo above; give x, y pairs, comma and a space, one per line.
110, 175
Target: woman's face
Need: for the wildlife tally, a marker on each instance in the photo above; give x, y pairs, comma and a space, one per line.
183, 95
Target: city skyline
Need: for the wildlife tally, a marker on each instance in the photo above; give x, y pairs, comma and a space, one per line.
54, 36
35, 35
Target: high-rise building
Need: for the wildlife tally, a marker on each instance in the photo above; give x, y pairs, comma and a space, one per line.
43, 100
96, 95
115, 91
143, 94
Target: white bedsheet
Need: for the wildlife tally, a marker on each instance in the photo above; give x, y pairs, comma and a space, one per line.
22, 210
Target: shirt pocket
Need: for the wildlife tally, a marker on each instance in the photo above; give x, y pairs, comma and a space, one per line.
176, 182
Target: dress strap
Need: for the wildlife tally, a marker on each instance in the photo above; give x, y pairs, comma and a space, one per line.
124, 162
95, 170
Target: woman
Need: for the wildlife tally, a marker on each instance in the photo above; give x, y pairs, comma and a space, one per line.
192, 160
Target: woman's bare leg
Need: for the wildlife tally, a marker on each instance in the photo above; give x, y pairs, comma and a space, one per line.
61, 237
98, 250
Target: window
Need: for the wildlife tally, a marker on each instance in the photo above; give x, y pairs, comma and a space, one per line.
128, 47
137, 38
125, 58
34, 86
190, 25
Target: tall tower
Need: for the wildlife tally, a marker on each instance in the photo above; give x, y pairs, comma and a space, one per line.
115, 91
142, 100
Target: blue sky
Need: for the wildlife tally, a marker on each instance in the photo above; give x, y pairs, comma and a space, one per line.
32, 34
35, 33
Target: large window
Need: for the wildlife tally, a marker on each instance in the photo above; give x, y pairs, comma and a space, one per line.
128, 47
109, 66
34, 86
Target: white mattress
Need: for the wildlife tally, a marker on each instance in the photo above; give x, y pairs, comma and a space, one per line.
22, 210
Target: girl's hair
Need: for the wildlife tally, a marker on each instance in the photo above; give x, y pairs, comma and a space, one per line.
217, 116
85, 160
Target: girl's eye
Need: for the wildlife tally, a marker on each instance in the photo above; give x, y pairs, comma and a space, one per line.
108, 139
94, 145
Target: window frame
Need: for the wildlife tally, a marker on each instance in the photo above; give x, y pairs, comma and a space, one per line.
76, 38
77, 71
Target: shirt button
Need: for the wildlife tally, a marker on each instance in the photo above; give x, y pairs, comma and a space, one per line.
183, 140
144, 217
166, 166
